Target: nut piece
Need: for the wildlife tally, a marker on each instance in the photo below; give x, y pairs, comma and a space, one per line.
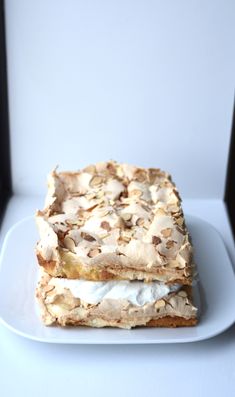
140, 175
166, 232
140, 222
105, 225
126, 235
87, 237
69, 243
96, 181
179, 221
156, 240
48, 288
170, 244
183, 294
126, 216
77, 222
94, 252
160, 303
135, 192
90, 169
99, 194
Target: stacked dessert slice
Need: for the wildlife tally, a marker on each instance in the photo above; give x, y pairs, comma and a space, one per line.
114, 249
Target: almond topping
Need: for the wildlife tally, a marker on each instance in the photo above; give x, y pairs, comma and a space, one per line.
96, 180
126, 235
183, 294
166, 232
140, 222
126, 216
135, 192
105, 225
156, 240
160, 303
179, 230
49, 288
78, 222
87, 237
69, 243
170, 244
94, 252
140, 175
99, 194
90, 169
179, 221
90, 196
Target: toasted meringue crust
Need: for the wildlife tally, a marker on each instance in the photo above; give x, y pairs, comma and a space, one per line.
59, 306
114, 221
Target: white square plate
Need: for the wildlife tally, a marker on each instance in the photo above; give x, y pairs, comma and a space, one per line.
215, 293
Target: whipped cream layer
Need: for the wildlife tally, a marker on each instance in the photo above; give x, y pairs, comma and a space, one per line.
136, 292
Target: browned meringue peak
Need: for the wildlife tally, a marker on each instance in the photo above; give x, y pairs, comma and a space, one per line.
115, 208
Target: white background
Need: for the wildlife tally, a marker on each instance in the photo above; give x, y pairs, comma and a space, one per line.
146, 82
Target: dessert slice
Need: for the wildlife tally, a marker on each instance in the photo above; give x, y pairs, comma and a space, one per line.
123, 304
114, 221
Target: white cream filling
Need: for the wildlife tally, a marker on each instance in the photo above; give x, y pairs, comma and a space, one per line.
136, 292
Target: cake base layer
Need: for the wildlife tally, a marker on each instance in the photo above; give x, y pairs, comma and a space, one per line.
172, 322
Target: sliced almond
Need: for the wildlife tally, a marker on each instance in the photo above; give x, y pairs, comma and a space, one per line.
156, 240
94, 252
126, 235
135, 192
172, 208
125, 239
126, 216
173, 264
119, 223
166, 232
69, 243
90, 169
83, 214
140, 175
140, 222
170, 244
90, 196
102, 213
105, 225
48, 288
179, 221
78, 222
111, 167
103, 235
160, 303
100, 194
96, 181
180, 230
181, 265
87, 237
153, 173
183, 294
159, 212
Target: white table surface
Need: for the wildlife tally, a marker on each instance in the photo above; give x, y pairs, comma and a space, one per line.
207, 368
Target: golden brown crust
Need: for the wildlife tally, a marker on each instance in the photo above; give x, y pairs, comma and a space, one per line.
172, 322
164, 322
